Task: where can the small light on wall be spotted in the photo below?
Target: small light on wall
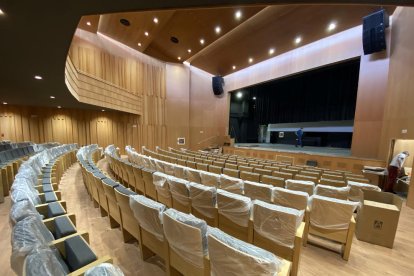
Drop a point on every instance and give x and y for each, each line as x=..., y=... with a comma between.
x=189, y=50
x=202, y=41
x=271, y=51
x=331, y=26
x=155, y=20
x=239, y=95
x=298, y=40
x=103, y=110
x=59, y=106
x=234, y=67
x=238, y=14
x=217, y=30
x=134, y=125
x=179, y=58
x=254, y=98
x=88, y=23
x=146, y=34
x=4, y=102
x=250, y=60
x=139, y=44
x=52, y=97
x=37, y=77
x=1, y=12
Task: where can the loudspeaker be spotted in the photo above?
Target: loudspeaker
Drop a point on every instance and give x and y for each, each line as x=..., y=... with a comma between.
x=373, y=32
x=218, y=83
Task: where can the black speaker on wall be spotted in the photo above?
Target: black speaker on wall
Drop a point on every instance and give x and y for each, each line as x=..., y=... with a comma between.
x=373, y=32
x=218, y=83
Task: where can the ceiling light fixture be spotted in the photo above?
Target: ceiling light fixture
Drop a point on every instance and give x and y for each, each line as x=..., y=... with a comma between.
x=1, y=12
x=146, y=34
x=331, y=26
x=59, y=106
x=88, y=23
x=103, y=110
x=234, y=67
x=52, y=97
x=271, y=51
x=179, y=58
x=4, y=102
x=217, y=30
x=250, y=60
x=125, y=22
x=155, y=20
x=298, y=40
x=254, y=98
x=239, y=95
x=139, y=44
x=202, y=41
x=38, y=77
x=189, y=50
x=238, y=14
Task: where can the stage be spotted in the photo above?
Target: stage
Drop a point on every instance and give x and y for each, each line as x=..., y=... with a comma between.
x=325, y=151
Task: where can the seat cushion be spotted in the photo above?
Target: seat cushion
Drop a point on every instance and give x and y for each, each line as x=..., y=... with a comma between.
x=50, y=197
x=55, y=209
x=78, y=253
x=46, y=180
x=47, y=188
x=110, y=182
x=63, y=227
x=124, y=190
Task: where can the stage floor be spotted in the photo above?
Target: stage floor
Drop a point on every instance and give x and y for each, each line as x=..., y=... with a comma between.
x=291, y=148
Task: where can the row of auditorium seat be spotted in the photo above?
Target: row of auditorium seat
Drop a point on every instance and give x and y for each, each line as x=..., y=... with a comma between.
x=178, y=204
x=45, y=240
x=179, y=238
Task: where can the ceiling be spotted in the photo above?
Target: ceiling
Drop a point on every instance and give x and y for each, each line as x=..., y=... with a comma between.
x=250, y=36
x=36, y=36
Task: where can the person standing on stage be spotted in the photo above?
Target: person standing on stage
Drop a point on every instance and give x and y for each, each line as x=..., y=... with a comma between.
x=394, y=169
x=299, y=134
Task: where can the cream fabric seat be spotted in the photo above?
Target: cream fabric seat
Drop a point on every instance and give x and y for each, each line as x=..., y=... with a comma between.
x=187, y=242
x=334, y=192
x=231, y=184
x=180, y=194
x=160, y=181
x=210, y=179
x=256, y=190
x=356, y=187
x=231, y=257
x=180, y=172
x=301, y=185
x=234, y=214
x=193, y=175
x=203, y=203
x=289, y=198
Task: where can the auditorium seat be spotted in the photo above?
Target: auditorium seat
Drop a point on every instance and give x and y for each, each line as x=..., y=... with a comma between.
x=262, y=171
x=355, y=189
x=259, y=191
x=215, y=169
x=160, y=181
x=203, y=203
x=231, y=172
x=279, y=230
x=210, y=179
x=304, y=177
x=202, y=167
x=150, y=190
x=129, y=226
x=332, y=182
x=149, y=215
x=334, y=192
x=113, y=210
x=139, y=180
x=180, y=194
x=289, y=198
x=230, y=256
x=332, y=176
x=234, y=214
x=186, y=237
x=272, y=168
x=332, y=219
x=273, y=180
x=301, y=185
x=250, y=176
x=284, y=175
x=231, y=184
x=192, y=164
x=193, y=175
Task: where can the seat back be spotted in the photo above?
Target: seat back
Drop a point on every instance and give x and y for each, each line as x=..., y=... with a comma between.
x=332, y=182
x=301, y=185
x=162, y=187
x=180, y=194
x=356, y=187
x=256, y=190
x=193, y=175
x=180, y=172
x=273, y=180
x=203, y=202
x=250, y=176
x=231, y=184
x=334, y=192
x=289, y=198
x=210, y=179
x=231, y=172
x=150, y=190
x=139, y=180
x=215, y=169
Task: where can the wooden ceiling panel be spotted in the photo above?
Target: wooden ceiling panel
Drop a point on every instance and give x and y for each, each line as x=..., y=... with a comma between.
x=89, y=23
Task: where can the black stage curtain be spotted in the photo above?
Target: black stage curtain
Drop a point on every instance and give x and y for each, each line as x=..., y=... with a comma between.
x=323, y=94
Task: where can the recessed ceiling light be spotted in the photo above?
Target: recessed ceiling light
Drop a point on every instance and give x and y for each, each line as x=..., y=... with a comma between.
x=103, y=110
x=331, y=26
x=88, y=23
x=254, y=98
x=38, y=77
x=202, y=41
x=139, y=44
x=52, y=97
x=238, y=14
x=250, y=60
x=234, y=67
x=271, y=51
x=179, y=58
x=155, y=20
x=125, y=22
x=189, y=50
x=217, y=30
x=4, y=103
x=298, y=40
x=239, y=95
x=146, y=34
x=1, y=12
x=59, y=106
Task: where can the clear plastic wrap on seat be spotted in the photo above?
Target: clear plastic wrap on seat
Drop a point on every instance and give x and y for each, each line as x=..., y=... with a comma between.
x=27, y=172
x=193, y=175
x=203, y=199
x=169, y=168
x=148, y=213
x=330, y=213
x=104, y=269
x=210, y=179
x=231, y=184
x=276, y=223
x=21, y=210
x=161, y=185
x=179, y=190
x=186, y=235
x=289, y=198
x=45, y=261
x=356, y=187
x=256, y=190
x=23, y=190
x=180, y=172
x=230, y=256
x=27, y=234
x=331, y=191
x=301, y=185
x=234, y=207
